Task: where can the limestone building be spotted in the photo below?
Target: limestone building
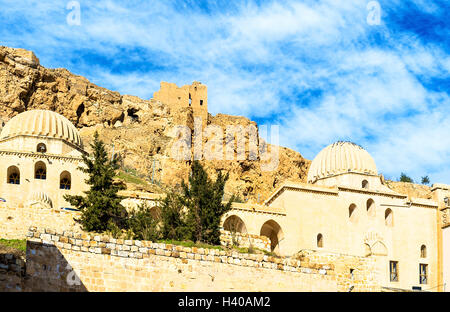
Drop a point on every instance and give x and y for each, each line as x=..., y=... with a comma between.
x=345, y=208
x=40, y=152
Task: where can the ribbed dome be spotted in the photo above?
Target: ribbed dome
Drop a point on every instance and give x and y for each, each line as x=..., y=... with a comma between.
x=341, y=157
x=41, y=123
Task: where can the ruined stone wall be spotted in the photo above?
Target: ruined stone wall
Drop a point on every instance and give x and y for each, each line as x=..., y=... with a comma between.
x=15, y=221
x=228, y=238
x=82, y=262
x=194, y=95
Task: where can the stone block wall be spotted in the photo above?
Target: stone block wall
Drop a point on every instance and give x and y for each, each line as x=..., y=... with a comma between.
x=15, y=221
x=353, y=273
x=228, y=238
x=81, y=262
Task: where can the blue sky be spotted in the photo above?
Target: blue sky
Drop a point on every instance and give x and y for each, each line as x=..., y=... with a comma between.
x=316, y=68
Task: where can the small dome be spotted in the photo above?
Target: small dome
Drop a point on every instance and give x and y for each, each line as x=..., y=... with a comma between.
x=341, y=157
x=41, y=123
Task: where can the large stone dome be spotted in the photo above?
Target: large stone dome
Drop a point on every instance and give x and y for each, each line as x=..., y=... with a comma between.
x=41, y=123
x=341, y=157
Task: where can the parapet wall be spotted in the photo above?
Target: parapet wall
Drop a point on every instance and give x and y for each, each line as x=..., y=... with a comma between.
x=15, y=223
x=83, y=262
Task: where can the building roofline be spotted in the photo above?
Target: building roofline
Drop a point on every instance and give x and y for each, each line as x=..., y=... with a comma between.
x=333, y=191
x=258, y=208
x=423, y=202
x=368, y=191
x=437, y=186
x=140, y=195
x=301, y=186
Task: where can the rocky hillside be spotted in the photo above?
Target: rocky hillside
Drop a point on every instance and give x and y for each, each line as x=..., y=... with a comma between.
x=411, y=189
x=141, y=131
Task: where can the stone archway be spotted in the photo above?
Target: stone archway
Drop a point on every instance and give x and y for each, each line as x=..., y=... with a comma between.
x=155, y=212
x=234, y=224
x=273, y=231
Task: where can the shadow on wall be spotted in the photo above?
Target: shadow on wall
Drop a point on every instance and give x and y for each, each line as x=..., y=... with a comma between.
x=48, y=270
x=12, y=271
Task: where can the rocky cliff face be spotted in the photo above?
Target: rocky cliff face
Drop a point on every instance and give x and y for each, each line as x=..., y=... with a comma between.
x=412, y=190
x=143, y=132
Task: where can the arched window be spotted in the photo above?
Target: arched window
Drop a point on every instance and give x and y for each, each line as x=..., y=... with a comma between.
x=40, y=171
x=41, y=148
x=319, y=240
x=352, y=213
x=65, y=181
x=365, y=184
x=389, y=217
x=371, y=207
x=13, y=175
x=423, y=251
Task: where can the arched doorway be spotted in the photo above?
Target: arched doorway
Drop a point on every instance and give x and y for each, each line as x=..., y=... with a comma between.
x=155, y=212
x=234, y=224
x=273, y=231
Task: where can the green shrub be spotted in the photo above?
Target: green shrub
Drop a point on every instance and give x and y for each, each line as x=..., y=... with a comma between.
x=143, y=225
x=20, y=244
x=405, y=178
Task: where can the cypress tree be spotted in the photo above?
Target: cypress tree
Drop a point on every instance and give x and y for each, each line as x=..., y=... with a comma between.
x=173, y=217
x=100, y=208
x=203, y=199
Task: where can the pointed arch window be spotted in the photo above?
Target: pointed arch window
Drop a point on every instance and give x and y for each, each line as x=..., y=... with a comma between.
x=389, y=217
x=41, y=148
x=319, y=240
x=40, y=171
x=65, y=181
x=13, y=174
x=423, y=251
x=352, y=213
x=371, y=207
x=365, y=184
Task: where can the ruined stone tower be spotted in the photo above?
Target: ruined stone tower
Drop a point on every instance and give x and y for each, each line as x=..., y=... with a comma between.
x=194, y=95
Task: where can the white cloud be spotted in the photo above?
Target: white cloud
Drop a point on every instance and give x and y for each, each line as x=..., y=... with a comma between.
x=258, y=60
